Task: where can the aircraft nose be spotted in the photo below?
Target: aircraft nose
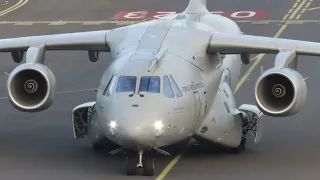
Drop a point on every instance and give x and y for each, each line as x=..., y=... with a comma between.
x=138, y=128
x=139, y=135
x=131, y=130
x=138, y=132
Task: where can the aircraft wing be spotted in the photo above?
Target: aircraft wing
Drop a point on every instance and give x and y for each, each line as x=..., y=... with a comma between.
x=91, y=40
x=237, y=43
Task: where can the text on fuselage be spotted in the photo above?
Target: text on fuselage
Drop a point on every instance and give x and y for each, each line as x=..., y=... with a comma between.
x=193, y=87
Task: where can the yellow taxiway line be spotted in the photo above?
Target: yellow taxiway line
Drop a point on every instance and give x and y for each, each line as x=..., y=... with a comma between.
x=256, y=60
x=97, y=23
x=297, y=21
x=14, y=7
x=296, y=7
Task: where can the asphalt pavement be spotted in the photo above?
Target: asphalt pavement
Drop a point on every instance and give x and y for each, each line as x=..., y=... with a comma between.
x=41, y=145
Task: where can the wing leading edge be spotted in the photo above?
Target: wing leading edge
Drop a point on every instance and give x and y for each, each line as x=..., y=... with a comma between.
x=91, y=40
x=236, y=44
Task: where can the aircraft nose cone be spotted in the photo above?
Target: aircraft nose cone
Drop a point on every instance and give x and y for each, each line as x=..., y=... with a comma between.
x=132, y=132
x=138, y=137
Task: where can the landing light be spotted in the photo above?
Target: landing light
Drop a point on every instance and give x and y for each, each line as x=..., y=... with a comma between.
x=113, y=124
x=158, y=125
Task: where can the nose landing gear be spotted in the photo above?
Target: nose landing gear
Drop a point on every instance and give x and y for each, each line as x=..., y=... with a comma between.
x=144, y=161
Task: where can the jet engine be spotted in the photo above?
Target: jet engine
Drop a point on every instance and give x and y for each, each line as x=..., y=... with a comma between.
x=31, y=87
x=280, y=92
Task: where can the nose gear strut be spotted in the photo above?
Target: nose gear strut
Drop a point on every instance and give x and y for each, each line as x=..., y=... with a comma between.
x=142, y=160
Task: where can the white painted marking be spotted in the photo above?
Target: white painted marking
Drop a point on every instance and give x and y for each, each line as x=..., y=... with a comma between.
x=162, y=14
x=136, y=15
x=243, y=14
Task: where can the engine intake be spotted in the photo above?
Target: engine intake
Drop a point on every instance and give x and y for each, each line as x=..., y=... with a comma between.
x=31, y=87
x=280, y=92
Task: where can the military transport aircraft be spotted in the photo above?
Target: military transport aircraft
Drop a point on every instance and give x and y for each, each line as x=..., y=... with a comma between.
x=170, y=79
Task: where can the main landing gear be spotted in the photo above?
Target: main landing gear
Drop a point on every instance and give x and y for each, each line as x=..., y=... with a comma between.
x=144, y=161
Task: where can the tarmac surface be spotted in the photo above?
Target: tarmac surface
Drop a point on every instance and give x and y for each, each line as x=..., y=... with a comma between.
x=41, y=145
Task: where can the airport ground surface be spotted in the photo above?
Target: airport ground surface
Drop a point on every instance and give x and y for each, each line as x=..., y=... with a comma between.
x=41, y=145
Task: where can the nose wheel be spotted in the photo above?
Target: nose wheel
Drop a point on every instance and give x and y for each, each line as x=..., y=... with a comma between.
x=148, y=165
x=131, y=164
x=134, y=162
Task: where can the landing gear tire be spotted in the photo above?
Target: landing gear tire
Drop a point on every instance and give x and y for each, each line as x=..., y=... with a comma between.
x=241, y=148
x=148, y=165
x=131, y=165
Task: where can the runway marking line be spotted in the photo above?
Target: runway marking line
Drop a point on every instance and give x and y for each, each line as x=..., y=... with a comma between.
x=304, y=9
x=297, y=9
x=290, y=11
x=257, y=60
x=314, y=8
x=14, y=7
x=95, y=23
x=144, y=14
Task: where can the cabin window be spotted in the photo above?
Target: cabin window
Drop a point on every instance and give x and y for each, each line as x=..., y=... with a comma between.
x=167, y=88
x=150, y=84
x=176, y=87
x=127, y=84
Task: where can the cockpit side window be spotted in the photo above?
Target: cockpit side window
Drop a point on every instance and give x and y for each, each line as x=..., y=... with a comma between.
x=127, y=84
x=176, y=87
x=108, y=85
x=167, y=89
x=150, y=84
x=112, y=85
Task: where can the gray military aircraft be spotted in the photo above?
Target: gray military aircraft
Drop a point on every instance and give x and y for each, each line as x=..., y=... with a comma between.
x=170, y=79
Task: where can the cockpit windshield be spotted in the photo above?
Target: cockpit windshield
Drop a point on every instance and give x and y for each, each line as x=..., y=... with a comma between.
x=150, y=84
x=127, y=84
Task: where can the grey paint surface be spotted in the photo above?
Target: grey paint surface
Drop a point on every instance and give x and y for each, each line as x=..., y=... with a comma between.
x=42, y=141
x=289, y=146
x=7, y=4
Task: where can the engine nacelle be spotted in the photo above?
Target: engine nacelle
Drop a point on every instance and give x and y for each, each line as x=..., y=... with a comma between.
x=280, y=92
x=31, y=87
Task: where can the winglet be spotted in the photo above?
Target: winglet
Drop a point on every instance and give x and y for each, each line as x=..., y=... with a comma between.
x=197, y=6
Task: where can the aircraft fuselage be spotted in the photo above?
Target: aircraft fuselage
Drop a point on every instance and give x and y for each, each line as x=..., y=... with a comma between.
x=137, y=115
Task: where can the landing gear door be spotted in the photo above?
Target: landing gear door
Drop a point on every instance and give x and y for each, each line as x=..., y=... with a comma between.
x=259, y=130
x=255, y=123
x=80, y=119
x=197, y=104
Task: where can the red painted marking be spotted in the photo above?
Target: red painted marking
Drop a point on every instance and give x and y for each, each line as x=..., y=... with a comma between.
x=140, y=15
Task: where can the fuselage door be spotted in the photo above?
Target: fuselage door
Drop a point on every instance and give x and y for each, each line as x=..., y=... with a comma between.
x=197, y=106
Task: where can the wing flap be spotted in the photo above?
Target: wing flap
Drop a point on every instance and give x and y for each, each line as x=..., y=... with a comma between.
x=92, y=40
x=237, y=43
